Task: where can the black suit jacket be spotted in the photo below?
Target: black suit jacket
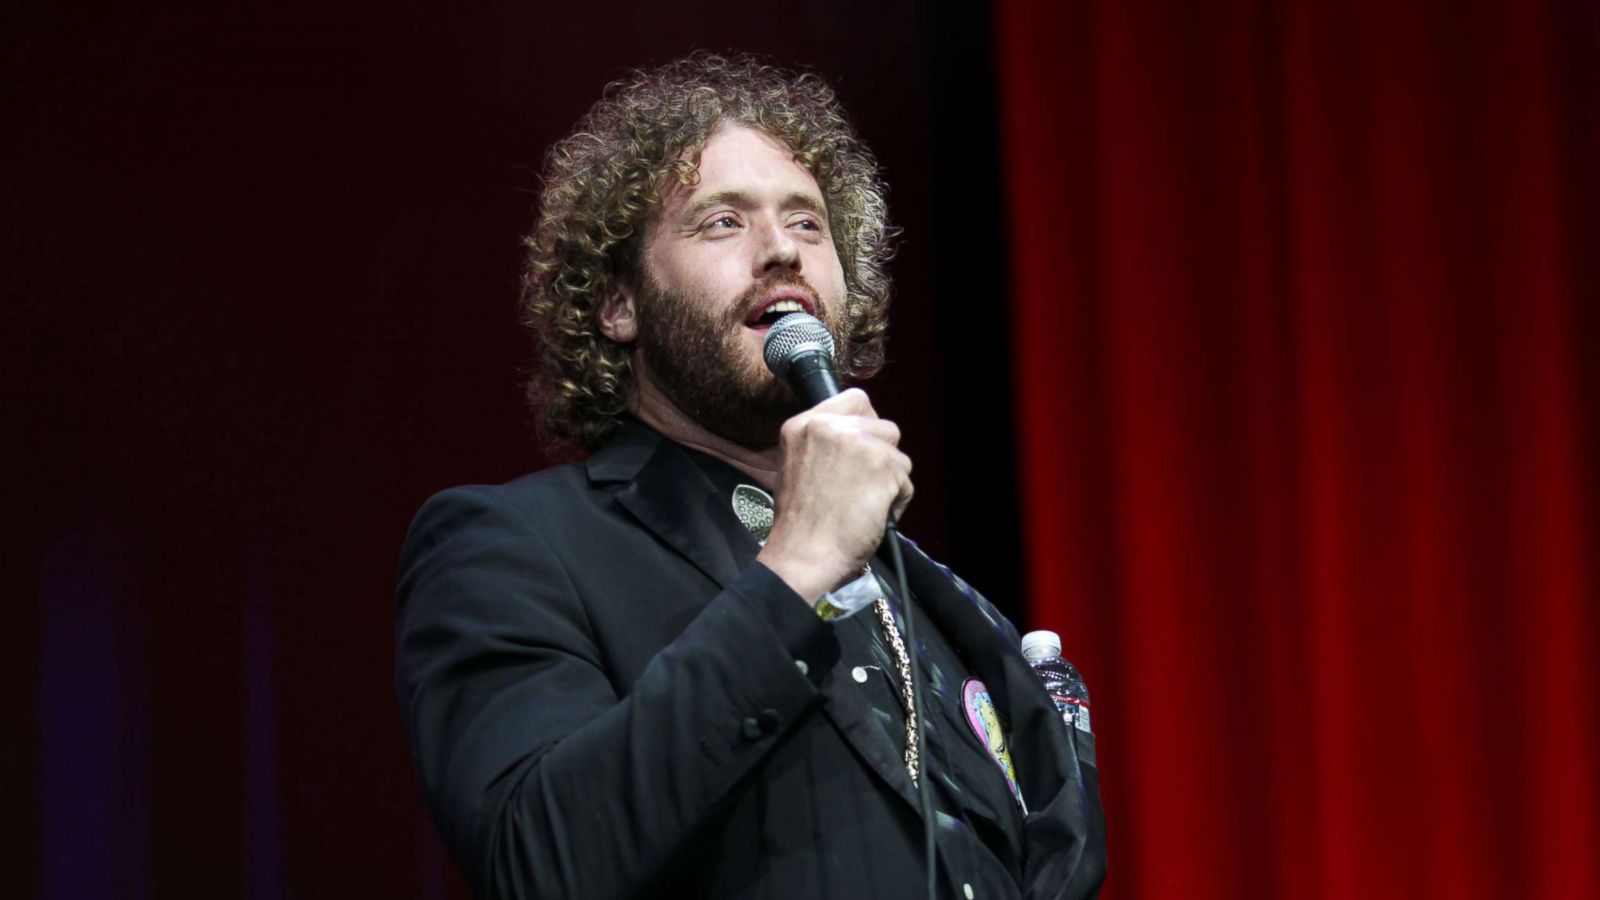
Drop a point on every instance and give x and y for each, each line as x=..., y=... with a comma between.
x=606, y=697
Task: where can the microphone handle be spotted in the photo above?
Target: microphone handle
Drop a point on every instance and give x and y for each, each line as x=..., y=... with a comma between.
x=811, y=376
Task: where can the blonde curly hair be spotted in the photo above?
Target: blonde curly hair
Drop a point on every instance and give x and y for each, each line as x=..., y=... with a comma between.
x=604, y=182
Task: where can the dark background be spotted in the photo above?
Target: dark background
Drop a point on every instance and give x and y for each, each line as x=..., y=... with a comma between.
x=259, y=301
x=1295, y=303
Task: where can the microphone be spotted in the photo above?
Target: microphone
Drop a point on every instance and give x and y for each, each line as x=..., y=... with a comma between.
x=799, y=350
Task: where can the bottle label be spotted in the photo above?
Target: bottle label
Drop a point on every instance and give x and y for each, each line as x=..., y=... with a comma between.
x=1074, y=711
x=1080, y=716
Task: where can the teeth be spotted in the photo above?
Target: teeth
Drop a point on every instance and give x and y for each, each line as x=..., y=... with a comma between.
x=786, y=306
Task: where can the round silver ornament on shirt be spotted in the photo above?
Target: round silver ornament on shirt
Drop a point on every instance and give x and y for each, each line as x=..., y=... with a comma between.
x=753, y=506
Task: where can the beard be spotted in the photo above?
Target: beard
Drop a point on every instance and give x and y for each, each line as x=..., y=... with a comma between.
x=699, y=361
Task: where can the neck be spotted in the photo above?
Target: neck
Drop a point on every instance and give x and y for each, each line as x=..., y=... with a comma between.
x=659, y=412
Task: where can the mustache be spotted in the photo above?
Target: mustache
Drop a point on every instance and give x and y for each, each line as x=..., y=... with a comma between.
x=752, y=295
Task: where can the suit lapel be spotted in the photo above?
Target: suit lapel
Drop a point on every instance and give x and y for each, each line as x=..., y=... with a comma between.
x=977, y=639
x=986, y=647
x=671, y=497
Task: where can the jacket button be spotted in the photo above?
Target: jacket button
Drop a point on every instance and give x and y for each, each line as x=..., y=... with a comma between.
x=770, y=720
x=751, y=729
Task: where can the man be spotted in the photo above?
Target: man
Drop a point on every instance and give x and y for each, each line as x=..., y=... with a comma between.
x=614, y=674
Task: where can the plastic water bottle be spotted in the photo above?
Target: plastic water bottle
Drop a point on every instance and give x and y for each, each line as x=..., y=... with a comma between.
x=1042, y=650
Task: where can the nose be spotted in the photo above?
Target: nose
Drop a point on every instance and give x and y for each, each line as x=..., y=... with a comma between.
x=778, y=251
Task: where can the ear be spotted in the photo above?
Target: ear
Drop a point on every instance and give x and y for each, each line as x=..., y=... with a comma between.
x=618, y=317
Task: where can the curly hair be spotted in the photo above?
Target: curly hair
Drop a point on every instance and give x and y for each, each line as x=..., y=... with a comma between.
x=604, y=182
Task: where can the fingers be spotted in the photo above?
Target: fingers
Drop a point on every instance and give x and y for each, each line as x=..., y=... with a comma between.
x=852, y=402
x=882, y=429
x=799, y=430
x=851, y=443
x=841, y=413
x=850, y=429
x=905, y=490
x=903, y=500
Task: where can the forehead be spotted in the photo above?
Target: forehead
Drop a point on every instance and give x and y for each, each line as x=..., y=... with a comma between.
x=745, y=159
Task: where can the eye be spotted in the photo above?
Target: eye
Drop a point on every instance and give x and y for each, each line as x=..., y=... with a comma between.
x=723, y=222
x=806, y=224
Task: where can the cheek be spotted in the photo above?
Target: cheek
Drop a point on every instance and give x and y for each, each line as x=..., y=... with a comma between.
x=834, y=291
x=713, y=275
x=831, y=281
x=698, y=281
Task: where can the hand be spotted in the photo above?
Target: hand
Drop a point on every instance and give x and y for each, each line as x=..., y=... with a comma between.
x=842, y=474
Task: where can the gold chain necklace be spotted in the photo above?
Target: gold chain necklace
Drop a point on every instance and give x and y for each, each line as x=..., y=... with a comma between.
x=907, y=698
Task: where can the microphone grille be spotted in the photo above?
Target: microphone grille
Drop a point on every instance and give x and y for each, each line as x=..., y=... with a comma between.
x=792, y=335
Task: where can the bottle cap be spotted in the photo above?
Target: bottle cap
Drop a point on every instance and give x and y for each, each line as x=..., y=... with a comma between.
x=1037, y=645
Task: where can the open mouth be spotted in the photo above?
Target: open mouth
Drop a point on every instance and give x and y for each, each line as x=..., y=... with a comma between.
x=775, y=309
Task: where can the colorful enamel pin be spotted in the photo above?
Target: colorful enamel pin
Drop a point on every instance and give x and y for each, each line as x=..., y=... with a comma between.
x=985, y=722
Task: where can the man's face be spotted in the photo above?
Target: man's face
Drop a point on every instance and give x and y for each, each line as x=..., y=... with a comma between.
x=722, y=260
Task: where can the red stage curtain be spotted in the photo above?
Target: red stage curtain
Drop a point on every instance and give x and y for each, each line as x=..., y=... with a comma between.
x=1304, y=336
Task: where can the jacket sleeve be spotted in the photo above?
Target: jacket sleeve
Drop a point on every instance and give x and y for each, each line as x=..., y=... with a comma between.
x=544, y=781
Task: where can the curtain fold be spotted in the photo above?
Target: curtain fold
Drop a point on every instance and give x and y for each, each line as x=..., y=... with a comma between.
x=1304, y=300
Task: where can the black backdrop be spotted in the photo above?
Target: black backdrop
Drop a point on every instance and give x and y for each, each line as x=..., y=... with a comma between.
x=259, y=284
